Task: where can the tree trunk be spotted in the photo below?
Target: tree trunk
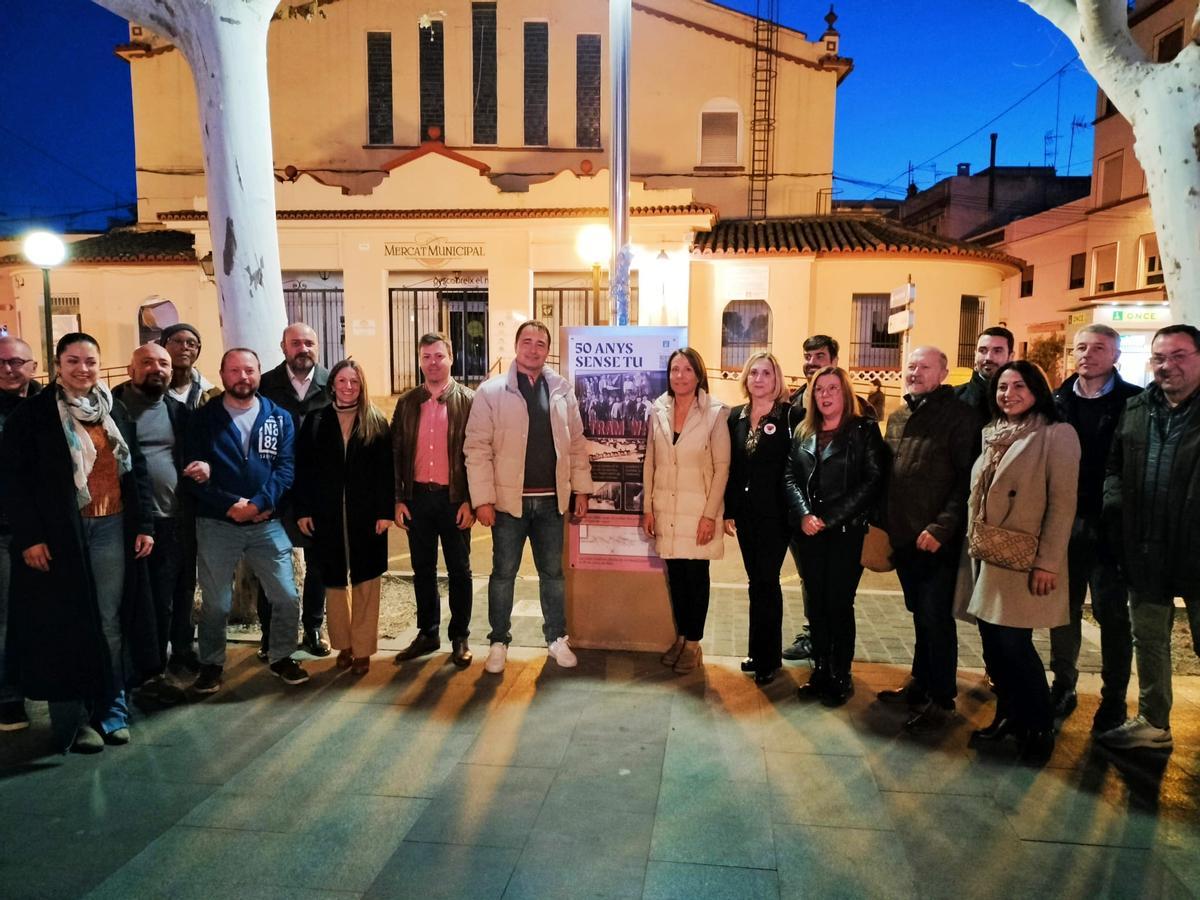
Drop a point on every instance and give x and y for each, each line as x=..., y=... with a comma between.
x=1161, y=102
x=225, y=44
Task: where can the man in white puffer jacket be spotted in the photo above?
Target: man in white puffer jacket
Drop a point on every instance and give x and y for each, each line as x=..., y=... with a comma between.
x=526, y=454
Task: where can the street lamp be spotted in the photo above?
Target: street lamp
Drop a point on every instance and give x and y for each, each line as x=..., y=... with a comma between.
x=594, y=246
x=46, y=250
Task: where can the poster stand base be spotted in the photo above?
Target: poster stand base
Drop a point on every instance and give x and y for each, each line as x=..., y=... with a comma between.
x=619, y=611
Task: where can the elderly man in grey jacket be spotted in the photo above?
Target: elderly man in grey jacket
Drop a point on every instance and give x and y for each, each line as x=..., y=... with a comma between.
x=526, y=454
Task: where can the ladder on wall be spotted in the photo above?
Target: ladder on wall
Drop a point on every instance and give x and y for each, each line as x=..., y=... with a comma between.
x=762, y=125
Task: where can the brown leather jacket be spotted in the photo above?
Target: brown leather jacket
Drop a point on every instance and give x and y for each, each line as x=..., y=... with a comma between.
x=405, y=421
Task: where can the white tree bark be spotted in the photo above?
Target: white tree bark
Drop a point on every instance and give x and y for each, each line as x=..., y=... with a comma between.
x=225, y=44
x=1161, y=101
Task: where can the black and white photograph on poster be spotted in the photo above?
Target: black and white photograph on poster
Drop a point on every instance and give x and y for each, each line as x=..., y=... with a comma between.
x=617, y=373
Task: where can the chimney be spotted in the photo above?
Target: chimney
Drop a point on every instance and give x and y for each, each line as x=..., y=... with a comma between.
x=992, y=174
x=964, y=168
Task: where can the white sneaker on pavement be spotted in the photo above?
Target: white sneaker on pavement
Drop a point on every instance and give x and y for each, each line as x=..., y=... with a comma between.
x=496, y=658
x=560, y=652
x=1137, y=733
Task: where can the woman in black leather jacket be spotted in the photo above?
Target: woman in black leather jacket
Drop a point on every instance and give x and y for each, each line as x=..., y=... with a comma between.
x=833, y=479
x=760, y=434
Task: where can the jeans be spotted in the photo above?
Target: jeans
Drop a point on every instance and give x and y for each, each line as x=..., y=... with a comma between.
x=764, y=543
x=688, y=587
x=313, y=598
x=1016, y=670
x=433, y=518
x=542, y=523
x=833, y=566
x=104, y=537
x=9, y=692
x=1152, y=619
x=268, y=553
x=1089, y=566
x=928, y=581
x=166, y=564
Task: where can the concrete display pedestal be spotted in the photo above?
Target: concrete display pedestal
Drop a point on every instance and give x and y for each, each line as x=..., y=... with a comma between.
x=618, y=610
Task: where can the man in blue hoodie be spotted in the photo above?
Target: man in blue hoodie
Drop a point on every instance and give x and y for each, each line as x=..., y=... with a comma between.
x=241, y=467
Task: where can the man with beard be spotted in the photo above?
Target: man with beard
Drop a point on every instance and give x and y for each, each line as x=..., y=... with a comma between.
x=241, y=466
x=161, y=424
x=17, y=366
x=187, y=385
x=299, y=385
x=993, y=348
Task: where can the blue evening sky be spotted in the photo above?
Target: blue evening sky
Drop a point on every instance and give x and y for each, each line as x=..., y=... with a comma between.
x=926, y=75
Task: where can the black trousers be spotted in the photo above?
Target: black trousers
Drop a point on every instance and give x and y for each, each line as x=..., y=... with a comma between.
x=1017, y=673
x=688, y=585
x=172, y=569
x=433, y=519
x=928, y=581
x=832, y=563
x=764, y=543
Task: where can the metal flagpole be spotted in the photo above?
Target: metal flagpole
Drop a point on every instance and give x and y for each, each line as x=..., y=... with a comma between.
x=620, y=15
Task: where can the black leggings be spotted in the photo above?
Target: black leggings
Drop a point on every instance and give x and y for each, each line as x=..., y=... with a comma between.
x=687, y=583
x=832, y=566
x=1018, y=674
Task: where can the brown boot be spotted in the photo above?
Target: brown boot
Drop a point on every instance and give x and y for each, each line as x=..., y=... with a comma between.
x=690, y=657
x=672, y=655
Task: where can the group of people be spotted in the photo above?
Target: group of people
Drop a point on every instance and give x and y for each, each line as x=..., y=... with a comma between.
x=1003, y=502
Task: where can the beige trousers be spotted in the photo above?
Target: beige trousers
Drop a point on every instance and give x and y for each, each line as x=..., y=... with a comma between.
x=352, y=615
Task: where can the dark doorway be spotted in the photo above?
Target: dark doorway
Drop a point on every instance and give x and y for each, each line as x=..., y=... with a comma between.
x=460, y=315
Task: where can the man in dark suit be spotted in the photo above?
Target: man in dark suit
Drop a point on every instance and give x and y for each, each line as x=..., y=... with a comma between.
x=300, y=385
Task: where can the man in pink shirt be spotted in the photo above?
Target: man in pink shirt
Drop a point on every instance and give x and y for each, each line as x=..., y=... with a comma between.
x=432, y=500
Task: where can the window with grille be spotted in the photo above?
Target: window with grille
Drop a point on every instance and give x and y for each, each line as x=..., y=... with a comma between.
x=379, y=87
x=745, y=329
x=970, y=323
x=587, y=90
x=719, y=138
x=431, y=50
x=872, y=347
x=537, y=74
x=483, y=72
x=1078, y=265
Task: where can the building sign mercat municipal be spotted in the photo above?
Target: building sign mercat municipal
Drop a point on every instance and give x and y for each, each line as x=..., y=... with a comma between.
x=433, y=251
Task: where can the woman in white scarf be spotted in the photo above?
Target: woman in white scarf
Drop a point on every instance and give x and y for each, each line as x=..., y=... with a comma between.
x=1023, y=491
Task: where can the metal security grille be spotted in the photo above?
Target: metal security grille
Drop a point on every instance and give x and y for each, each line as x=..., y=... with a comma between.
x=322, y=310
x=970, y=323
x=561, y=307
x=873, y=347
x=745, y=329
x=460, y=315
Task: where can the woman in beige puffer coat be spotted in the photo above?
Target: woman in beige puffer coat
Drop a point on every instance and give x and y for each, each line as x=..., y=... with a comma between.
x=684, y=475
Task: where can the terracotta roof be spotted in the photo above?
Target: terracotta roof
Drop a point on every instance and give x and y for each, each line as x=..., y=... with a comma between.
x=123, y=245
x=832, y=235
x=566, y=212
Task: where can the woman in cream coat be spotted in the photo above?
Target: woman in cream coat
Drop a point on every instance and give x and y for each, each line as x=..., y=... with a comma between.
x=684, y=475
x=1026, y=480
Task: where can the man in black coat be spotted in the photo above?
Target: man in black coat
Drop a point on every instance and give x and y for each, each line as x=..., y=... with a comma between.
x=300, y=385
x=17, y=367
x=1092, y=401
x=162, y=424
x=1152, y=514
x=993, y=348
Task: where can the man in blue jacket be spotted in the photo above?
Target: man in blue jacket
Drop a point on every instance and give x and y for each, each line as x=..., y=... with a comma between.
x=241, y=467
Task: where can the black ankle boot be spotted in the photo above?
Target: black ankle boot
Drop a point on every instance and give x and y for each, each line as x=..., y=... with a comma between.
x=1037, y=747
x=1002, y=726
x=817, y=683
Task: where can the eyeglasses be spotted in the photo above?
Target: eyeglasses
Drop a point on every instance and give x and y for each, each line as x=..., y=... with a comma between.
x=1157, y=361
x=13, y=363
x=188, y=343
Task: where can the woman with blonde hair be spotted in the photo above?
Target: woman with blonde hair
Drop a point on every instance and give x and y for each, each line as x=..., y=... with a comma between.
x=832, y=481
x=345, y=500
x=760, y=436
x=684, y=475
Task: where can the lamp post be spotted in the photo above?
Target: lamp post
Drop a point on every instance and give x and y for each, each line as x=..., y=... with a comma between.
x=594, y=244
x=46, y=250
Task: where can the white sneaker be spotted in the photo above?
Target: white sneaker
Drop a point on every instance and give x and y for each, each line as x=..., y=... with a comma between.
x=496, y=658
x=1137, y=733
x=560, y=652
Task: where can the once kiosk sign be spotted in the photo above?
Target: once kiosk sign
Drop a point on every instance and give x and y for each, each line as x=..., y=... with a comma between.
x=433, y=251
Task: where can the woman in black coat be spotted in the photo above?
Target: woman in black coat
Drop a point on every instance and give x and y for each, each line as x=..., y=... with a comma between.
x=344, y=500
x=760, y=434
x=79, y=500
x=833, y=480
